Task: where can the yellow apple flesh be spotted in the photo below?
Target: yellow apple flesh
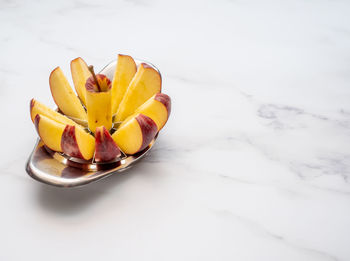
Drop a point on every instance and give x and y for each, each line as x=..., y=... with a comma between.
x=64, y=96
x=77, y=143
x=144, y=85
x=80, y=74
x=49, y=131
x=158, y=108
x=71, y=140
x=135, y=134
x=124, y=72
x=37, y=107
x=98, y=102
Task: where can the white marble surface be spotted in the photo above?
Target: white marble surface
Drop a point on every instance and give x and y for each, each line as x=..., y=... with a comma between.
x=254, y=163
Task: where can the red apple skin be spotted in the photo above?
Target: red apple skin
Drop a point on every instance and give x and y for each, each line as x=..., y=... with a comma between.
x=105, y=147
x=31, y=105
x=165, y=99
x=145, y=65
x=103, y=81
x=36, y=123
x=149, y=129
x=69, y=142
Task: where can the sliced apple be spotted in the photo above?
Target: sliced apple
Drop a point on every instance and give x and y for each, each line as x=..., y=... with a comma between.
x=50, y=131
x=77, y=143
x=106, y=149
x=80, y=73
x=64, y=96
x=158, y=108
x=98, y=102
x=146, y=82
x=135, y=134
x=124, y=72
x=37, y=107
x=71, y=140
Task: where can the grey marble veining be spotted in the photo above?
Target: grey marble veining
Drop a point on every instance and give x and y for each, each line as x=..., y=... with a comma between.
x=254, y=163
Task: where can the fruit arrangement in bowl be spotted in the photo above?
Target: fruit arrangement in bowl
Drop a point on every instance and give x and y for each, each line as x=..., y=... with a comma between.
x=108, y=118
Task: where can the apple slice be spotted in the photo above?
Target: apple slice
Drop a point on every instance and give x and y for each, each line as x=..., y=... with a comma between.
x=77, y=143
x=135, y=134
x=71, y=140
x=124, y=72
x=49, y=131
x=37, y=107
x=158, y=108
x=80, y=73
x=64, y=96
x=98, y=102
x=144, y=85
x=106, y=148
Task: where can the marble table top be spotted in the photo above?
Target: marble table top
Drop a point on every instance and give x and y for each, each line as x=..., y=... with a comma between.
x=254, y=163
